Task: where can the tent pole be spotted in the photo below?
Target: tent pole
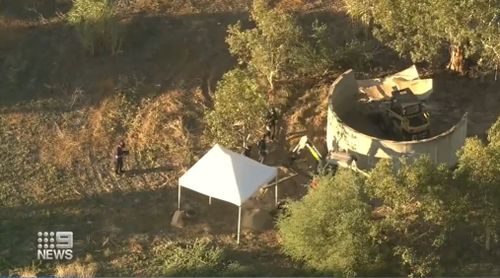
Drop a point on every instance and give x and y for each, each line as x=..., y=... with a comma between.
x=276, y=191
x=179, y=198
x=209, y=200
x=239, y=225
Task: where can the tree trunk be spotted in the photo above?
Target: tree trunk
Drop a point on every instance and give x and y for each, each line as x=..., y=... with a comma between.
x=456, y=63
x=369, y=28
x=488, y=241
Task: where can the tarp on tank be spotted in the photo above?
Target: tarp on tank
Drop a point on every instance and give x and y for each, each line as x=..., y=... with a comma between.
x=382, y=88
x=368, y=149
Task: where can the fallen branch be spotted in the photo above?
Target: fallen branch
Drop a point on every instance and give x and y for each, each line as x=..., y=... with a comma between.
x=279, y=181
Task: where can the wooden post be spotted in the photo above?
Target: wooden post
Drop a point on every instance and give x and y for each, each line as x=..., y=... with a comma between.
x=239, y=225
x=276, y=191
x=179, y=198
x=209, y=200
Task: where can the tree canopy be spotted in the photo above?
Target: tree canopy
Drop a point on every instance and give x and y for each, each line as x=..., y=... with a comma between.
x=330, y=229
x=277, y=48
x=479, y=176
x=239, y=107
x=416, y=212
x=405, y=219
x=423, y=29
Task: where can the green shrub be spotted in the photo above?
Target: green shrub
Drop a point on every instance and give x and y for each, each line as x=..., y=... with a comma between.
x=330, y=229
x=479, y=174
x=239, y=107
x=97, y=25
x=198, y=258
x=335, y=230
x=356, y=54
x=418, y=212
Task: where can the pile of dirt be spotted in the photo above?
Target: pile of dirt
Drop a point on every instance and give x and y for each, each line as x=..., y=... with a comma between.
x=307, y=116
x=256, y=219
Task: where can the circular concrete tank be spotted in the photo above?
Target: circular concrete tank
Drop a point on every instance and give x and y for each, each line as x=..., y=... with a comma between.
x=367, y=145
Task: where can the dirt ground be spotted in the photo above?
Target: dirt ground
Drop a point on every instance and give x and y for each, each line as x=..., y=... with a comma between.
x=175, y=46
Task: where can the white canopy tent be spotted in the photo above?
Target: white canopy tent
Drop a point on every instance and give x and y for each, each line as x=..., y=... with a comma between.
x=227, y=176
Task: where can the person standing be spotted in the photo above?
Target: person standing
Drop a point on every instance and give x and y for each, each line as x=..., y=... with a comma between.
x=247, y=150
x=262, y=147
x=271, y=123
x=120, y=154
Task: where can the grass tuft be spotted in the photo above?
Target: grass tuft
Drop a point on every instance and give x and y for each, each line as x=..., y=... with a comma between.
x=76, y=269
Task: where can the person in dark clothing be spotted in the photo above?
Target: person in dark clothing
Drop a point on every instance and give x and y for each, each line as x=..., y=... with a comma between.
x=271, y=123
x=121, y=152
x=247, y=150
x=261, y=146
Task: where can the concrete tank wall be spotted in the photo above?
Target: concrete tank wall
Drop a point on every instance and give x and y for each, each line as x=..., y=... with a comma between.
x=342, y=97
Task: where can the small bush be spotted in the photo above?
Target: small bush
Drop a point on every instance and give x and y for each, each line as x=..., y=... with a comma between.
x=97, y=25
x=27, y=271
x=196, y=258
x=356, y=54
x=76, y=269
x=330, y=228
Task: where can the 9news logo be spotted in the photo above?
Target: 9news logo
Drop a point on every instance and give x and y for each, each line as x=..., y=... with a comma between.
x=55, y=245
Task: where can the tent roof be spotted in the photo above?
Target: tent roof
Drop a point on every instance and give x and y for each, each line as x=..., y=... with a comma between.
x=227, y=176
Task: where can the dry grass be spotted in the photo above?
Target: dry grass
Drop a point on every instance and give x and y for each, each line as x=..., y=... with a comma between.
x=309, y=5
x=291, y=5
x=108, y=121
x=62, y=147
x=76, y=269
x=27, y=272
x=73, y=148
x=96, y=127
x=183, y=7
x=158, y=118
x=168, y=121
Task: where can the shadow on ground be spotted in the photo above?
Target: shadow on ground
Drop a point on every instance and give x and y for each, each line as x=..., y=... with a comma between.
x=32, y=10
x=162, y=52
x=114, y=220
